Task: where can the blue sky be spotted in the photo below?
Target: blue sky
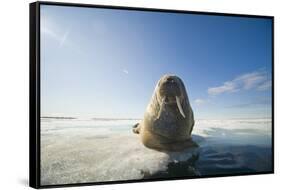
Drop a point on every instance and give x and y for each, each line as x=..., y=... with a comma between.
x=106, y=63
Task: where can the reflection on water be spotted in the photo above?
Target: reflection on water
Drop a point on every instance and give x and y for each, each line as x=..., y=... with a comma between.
x=76, y=151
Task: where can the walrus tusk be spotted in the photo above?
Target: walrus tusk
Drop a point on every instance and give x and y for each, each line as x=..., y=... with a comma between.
x=179, y=106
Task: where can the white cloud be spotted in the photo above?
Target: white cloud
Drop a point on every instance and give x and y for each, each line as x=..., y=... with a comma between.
x=64, y=38
x=255, y=80
x=59, y=38
x=264, y=86
x=199, y=101
x=125, y=71
x=47, y=31
x=228, y=86
x=251, y=80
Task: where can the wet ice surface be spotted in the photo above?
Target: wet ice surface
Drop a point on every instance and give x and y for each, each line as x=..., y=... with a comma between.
x=86, y=150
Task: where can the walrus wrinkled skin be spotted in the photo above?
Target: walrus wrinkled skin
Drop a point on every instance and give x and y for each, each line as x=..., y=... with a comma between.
x=168, y=120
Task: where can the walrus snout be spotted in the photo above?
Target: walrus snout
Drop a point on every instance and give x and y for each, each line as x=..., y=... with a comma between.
x=170, y=79
x=169, y=90
x=169, y=86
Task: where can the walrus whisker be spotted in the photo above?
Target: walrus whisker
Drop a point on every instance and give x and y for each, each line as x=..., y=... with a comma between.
x=160, y=110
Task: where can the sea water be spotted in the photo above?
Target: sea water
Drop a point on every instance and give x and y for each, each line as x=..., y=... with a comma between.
x=94, y=150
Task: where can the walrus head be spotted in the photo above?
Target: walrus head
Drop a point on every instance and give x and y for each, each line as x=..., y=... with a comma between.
x=168, y=120
x=170, y=91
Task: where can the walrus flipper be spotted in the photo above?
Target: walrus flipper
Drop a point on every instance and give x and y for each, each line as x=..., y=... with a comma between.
x=136, y=128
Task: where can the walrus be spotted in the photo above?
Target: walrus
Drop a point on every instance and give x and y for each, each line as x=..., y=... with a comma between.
x=168, y=120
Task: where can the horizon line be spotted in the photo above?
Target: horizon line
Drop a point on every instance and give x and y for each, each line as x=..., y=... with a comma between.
x=131, y=118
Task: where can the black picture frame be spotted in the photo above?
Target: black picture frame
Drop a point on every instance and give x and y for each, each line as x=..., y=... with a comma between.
x=34, y=90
